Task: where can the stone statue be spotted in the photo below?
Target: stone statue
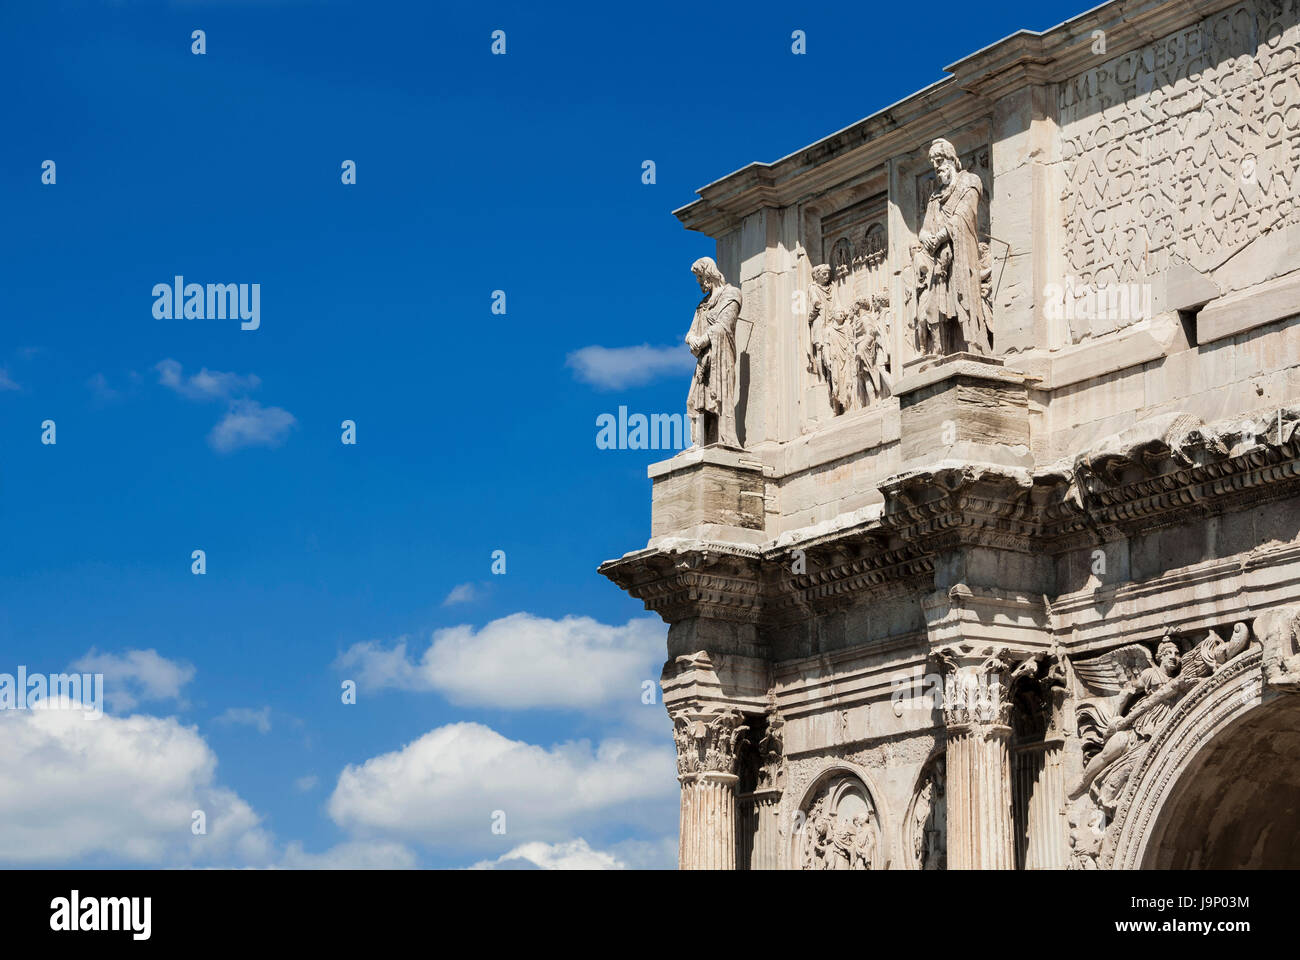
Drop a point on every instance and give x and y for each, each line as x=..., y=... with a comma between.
x=711, y=403
x=952, y=271
x=818, y=826
x=819, y=309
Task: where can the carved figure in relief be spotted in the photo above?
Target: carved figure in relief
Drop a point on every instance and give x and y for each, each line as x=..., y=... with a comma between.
x=771, y=749
x=1136, y=695
x=848, y=347
x=819, y=311
x=840, y=832
x=1279, y=633
x=839, y=354
x=819, y=844
x=872, y=350
x=952, y=271
x=1085, y=841
x=862, y=850
x=929, y=821
x=711, y=403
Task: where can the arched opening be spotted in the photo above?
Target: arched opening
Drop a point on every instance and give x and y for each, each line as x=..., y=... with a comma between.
x=1237, y=804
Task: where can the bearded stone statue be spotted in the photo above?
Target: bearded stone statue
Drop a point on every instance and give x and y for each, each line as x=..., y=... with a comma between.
x=952, y=270
x=711, y=403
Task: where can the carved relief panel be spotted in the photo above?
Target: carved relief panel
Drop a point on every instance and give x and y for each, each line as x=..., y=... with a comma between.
x=849, y=326
x=928, y=819
x=840, y=827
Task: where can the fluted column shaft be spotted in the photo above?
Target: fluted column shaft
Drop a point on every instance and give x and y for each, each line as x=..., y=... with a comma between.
x=980, y=834
x=709, y=822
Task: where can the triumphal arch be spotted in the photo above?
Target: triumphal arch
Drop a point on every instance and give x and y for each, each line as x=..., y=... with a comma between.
x=987, y=552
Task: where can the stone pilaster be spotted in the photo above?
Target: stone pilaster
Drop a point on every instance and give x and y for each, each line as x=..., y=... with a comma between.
x=706, y=768
x=976, y=712
x=760, y=830
x=1040, y=797
x=1039, y=769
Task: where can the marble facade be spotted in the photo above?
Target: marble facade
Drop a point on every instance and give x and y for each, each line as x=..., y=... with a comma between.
x=1000, y=568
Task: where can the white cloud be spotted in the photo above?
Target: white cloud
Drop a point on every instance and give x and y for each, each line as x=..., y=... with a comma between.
x=461, y=593
x=79, y=785
x=307, y=783
x=247, y=716
x=136, y=676
x=100, y=387
x=522, y=661
x=571, y=855
x=613, y=368
x=206, y=384
x=443, y=789
x=249, y=424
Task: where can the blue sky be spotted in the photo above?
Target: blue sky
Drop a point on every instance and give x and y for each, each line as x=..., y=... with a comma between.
x=476, y=431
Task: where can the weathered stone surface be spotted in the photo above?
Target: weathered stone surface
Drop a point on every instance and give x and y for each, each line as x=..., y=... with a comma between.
x=1036, y=608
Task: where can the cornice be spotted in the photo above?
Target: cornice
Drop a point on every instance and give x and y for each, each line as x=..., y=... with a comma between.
x=1170, y=472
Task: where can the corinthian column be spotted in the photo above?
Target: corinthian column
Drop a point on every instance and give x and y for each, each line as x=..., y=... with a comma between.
x=706, y=769
x=976, y=711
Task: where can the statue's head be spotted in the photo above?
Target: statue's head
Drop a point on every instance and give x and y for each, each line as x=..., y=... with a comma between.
x=1167, y=656
x=707, y=274
x=943, y=157
x=821, y=273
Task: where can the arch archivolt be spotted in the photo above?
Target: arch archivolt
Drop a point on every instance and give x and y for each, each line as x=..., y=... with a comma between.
x=1215, y=705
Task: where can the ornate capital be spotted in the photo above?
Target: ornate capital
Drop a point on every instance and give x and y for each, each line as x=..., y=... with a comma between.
x=976, y=685
x=707, y=742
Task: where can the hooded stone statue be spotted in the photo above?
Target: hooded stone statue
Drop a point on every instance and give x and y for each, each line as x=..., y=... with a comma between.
x=951, y=297
x=712, y=338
